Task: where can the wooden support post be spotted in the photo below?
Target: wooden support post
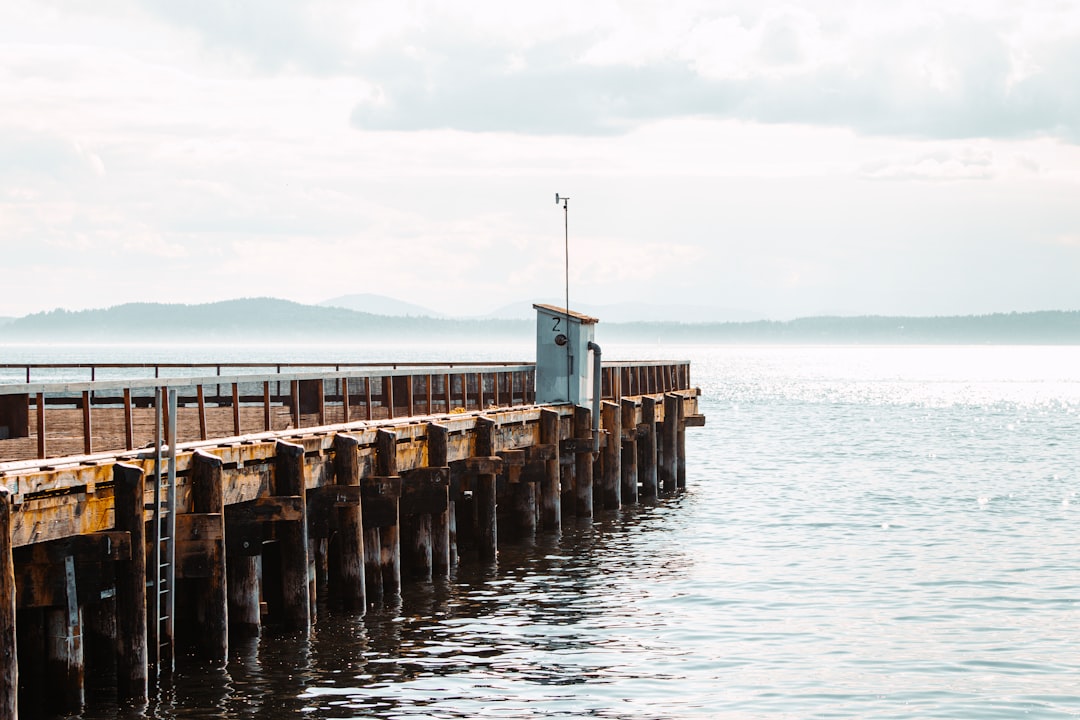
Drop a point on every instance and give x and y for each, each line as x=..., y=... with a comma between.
x=681, y=447
x=443, y=549
x=236, y=408
x=521, y=495
x=64, y=662
x=131, y=652
x=416, y=544
x=487, y=529
x=350, y=525
x=129, y=426
x=388, y=394
x=9, y=666
x=629, y=452
x=293, y=538
x=320, y=389
x=243, y=546
x=268, y=421
x=381, y=504
x=88, y=429
x=200, y=397
x=611, y=466
x=647, y=447
x=410, y=396
x=669, y=471
x=210, y=596
x=41, y=425
x=550, y=493
x=424, y=496
x=373, y=579
x=294, y=398
x=344, y=400
x=446, y=388
x=583, y=463
x=389, y=534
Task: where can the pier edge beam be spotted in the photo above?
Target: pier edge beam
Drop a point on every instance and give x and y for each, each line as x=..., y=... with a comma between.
x=442, y=552
x=9, y=665
x=669, y=471
x=211, y=597
x=611, y=456
x=131, y=632
x=293, y=538
x=629, y=452
x=647, y=447
x=583, y=464
x=351, y=527
x=550, y=493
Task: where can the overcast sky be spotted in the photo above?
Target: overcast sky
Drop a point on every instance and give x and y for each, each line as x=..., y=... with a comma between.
x=782, y=158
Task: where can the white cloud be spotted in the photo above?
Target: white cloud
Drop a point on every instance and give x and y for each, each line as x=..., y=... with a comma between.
x=729, y=152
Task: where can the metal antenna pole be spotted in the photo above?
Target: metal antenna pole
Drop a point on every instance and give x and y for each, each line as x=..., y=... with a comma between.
x=566, y=274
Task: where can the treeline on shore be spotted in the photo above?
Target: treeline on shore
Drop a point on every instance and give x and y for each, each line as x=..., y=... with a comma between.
x=271, y=319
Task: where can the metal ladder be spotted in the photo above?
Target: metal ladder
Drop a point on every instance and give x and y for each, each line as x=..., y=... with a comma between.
x=162, y=580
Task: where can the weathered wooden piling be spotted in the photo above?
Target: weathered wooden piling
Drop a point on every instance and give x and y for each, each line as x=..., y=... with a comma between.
x=515, y=501
x=425, y=500
x=390, y=533
x=681, y=446
x=647, y=447
x=550, y=491
x=443, y=547
x=201, y=562
x=243, y=549
x=131, y=632
x=380, y=509
x=9, y=665
x=611, y=457
x=64, y=661
x=669, y=471
x=484, y=488
x=292, y=537
x=583, y=462
x=350, y=525
x=629, y=446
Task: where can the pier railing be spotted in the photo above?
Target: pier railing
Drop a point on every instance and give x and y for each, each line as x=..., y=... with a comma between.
x=61, y=410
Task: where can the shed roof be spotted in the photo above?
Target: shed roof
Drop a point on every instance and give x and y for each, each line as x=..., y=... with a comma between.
x=554, y=310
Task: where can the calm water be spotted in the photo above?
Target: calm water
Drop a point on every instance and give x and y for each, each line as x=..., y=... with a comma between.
x=868, y=532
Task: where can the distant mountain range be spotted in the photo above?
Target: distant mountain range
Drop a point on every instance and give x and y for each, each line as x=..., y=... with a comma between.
x=523, y=310
x=270, y=319
x=632, y=312
x=380, y=305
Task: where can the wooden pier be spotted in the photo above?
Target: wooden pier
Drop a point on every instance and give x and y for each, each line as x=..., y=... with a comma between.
x=122, y=544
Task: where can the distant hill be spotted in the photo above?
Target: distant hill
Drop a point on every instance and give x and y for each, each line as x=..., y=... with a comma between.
x=270, y=319
x=632, y=312
x=380, y=305
x=1033, y=328
x=5, y=320
x=249, y=319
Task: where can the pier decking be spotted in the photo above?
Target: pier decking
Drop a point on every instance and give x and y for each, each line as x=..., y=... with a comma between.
x=122, y=541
